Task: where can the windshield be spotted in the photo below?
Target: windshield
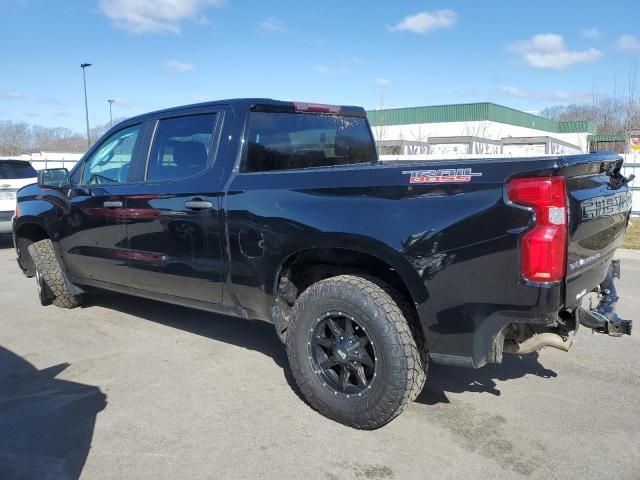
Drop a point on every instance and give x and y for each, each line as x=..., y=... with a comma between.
x=13, y=169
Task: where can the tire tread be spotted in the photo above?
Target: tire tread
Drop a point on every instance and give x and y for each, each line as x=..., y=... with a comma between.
x=45, y=260
x=399, y=315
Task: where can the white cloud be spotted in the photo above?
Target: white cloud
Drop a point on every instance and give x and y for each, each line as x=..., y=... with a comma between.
x=10, y=96
x=553, y=95
x=628, y=43
x=353, y=60
x=591, y=33
x=273, y=25
x=155, y=16
x=323, y=69
x=178, y=66
x=48, y=101
x=512, y=91
x=383, y=82
x=342, y=67
x=425, y=22
x=549, y=51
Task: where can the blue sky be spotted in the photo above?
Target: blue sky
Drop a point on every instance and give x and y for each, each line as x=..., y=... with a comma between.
x=150, y=54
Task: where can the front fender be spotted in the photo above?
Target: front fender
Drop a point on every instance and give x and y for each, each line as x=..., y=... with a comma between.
x=39, y=214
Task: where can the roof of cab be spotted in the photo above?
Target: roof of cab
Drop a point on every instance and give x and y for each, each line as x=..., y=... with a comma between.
x=239, y=102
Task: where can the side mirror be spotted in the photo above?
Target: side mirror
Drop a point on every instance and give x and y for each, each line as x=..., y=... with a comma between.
x=57, y=178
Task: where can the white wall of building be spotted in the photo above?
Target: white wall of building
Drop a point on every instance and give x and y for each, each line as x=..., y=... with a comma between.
x=484, y=129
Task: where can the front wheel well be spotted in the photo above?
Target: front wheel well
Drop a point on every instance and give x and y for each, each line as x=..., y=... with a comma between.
x=305, y=268
x=25, y=235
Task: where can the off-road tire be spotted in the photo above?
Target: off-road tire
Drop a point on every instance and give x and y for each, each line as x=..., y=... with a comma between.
x=400, y=364
x=48, y=266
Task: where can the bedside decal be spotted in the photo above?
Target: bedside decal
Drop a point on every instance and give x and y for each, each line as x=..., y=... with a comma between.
x=445, y=175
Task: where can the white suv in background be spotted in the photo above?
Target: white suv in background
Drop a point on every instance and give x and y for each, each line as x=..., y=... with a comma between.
x=14, y=174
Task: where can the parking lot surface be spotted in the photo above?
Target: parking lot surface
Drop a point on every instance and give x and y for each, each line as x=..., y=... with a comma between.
x=130, y=388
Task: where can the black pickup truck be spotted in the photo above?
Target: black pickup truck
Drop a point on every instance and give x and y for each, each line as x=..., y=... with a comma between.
x=281, y=211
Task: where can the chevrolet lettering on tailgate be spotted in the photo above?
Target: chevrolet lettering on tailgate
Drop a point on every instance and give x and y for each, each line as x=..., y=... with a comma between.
x=606, y=205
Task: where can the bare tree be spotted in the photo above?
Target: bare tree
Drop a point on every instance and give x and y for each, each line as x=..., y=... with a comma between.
x=19, y=138
x=380, y=132
x=616, y=114
x=481, y=129
x=14, y=137
x=419, y=134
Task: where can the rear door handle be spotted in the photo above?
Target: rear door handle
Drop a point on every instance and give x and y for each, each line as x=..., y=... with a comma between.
x=198, y=205
x=112, y=204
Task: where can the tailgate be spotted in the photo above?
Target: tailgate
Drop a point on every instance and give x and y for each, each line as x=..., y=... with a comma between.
x=599, y=207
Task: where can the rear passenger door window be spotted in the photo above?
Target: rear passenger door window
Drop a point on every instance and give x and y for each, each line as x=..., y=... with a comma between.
x=181, y=147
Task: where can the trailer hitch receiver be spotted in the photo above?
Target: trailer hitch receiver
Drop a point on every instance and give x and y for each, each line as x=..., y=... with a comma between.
x=603, y=319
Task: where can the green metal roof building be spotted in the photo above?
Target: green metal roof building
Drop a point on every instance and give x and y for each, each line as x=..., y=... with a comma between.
x=487, y=120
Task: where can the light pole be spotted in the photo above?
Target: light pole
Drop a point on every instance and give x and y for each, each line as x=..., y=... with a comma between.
x=86, y=106
x=111, y=100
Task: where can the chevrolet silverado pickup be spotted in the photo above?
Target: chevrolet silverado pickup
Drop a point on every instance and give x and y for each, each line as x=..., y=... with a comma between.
x=281, y=212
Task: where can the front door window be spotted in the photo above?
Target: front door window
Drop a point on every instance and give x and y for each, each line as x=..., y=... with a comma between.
x=111, y=161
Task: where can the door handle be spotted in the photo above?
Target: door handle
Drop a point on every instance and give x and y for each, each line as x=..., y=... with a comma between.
x=198, y=205
x=112, y=204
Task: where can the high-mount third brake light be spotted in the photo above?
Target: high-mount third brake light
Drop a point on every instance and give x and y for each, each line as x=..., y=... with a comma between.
x=544, y=247
x=315, y=108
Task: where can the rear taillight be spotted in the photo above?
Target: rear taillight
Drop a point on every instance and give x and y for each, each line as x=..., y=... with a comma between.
x=544, y=247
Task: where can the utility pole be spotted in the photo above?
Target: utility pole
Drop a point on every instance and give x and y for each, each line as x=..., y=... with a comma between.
x=86, y=105
x=111, y=100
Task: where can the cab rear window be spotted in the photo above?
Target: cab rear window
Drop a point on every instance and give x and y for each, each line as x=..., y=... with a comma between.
x=9, y=169
x=283, y=141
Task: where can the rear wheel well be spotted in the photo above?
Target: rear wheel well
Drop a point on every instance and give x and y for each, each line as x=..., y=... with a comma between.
x=307, y=267
x=25, y=236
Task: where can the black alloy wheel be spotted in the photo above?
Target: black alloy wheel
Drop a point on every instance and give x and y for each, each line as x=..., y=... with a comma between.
x=342, y=354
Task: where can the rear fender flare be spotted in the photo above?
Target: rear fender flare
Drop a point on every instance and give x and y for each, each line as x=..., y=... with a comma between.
x=368, y=246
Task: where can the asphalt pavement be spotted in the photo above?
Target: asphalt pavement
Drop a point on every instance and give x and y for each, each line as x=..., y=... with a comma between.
x=125, y=388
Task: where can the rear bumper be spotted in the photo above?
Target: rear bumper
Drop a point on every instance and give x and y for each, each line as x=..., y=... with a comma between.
x=488, y=339
x=5, y=222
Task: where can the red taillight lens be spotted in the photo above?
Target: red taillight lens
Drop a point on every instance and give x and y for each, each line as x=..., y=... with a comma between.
x=315, y=108
x=544, y=247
